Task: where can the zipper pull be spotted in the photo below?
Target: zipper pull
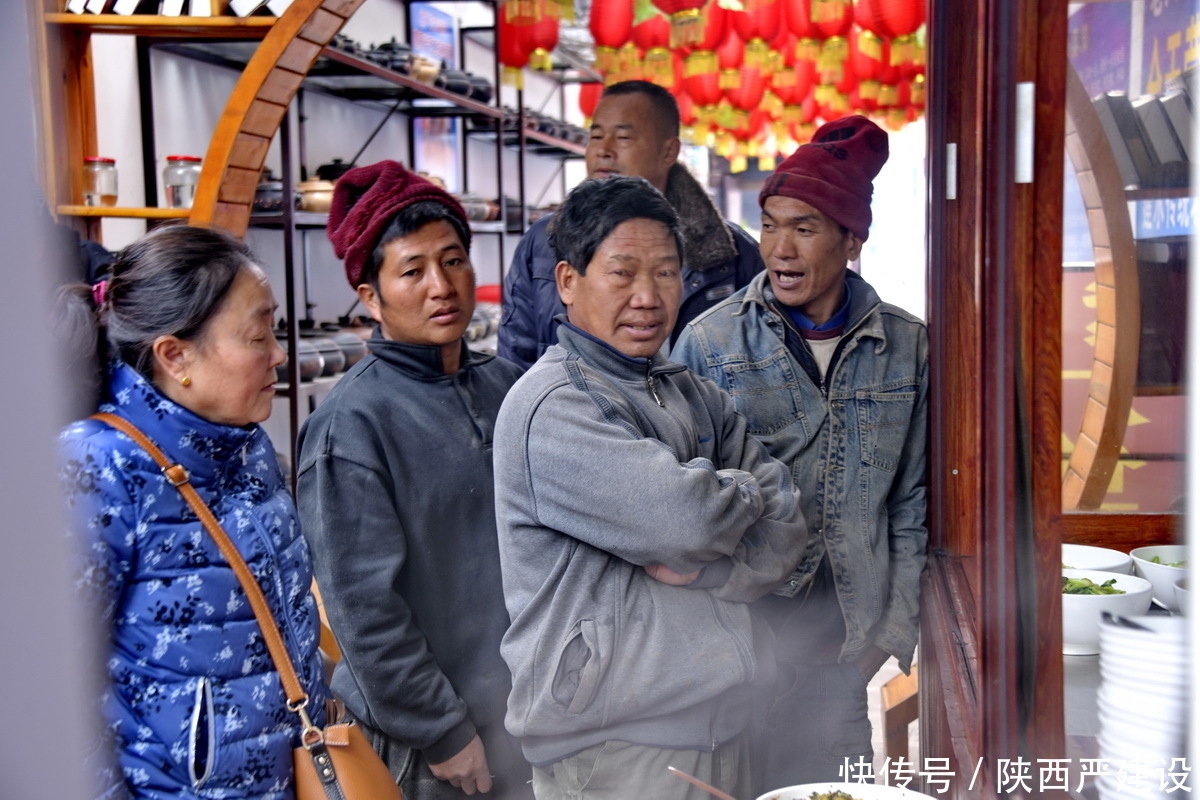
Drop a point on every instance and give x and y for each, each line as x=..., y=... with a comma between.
x=653, y=391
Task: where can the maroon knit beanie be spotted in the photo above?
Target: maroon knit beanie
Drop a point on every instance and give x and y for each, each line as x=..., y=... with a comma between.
x=833, y=172
x=365, y=200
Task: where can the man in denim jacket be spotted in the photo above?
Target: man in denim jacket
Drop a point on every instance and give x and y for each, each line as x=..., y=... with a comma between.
x=835, y=383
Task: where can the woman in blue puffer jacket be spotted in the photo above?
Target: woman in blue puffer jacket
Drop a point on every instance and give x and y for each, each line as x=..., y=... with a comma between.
x=193, y=705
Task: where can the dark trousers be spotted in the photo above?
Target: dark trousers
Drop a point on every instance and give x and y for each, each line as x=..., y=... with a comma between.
x=511, y=773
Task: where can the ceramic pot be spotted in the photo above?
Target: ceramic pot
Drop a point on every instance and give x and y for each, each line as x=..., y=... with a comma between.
x=453, y=80
x=394, y=55
x=333, y=170
x=333, y=359
x=475, y=206
x=481, y=88
x=315, y=195
x=353, y=346
x=311, y=362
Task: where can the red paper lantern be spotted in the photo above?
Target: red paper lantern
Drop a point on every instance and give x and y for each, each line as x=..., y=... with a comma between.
x=687, y=109
x=704, y=88
x=797, y=16
x=870, y=56
x=757, y=25
x=714, y=28
x=543, y=35
x=611, y=25
x=790, y=86
x=832, y=17
x=589, y=96
x=653, y=37
x=514, y=44
x=890, y=19
x=730, y=56
x=752, y=85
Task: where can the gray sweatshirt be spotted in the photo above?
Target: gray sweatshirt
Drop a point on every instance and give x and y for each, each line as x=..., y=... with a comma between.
x=606, y=464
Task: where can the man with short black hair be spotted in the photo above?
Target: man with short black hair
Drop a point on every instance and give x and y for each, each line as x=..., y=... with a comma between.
x=635, y=131
x=835, y=383
x=637, y=520
x=394, y=488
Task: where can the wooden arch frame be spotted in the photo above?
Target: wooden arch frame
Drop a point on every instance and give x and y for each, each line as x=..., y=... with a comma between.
x=256, y=108
x=1118, y=306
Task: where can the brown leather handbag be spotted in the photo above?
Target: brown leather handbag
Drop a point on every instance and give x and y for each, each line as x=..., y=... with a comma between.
x=335, y=762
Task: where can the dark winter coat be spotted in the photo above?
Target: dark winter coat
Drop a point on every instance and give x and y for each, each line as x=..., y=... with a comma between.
x=395, y=491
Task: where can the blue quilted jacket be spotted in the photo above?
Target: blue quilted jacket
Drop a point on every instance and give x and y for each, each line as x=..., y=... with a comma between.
x=193, y=706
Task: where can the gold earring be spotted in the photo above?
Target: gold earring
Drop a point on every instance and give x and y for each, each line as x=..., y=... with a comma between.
x=186, y=381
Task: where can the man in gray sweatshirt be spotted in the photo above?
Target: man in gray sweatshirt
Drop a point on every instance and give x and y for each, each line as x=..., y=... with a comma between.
x=637, y=519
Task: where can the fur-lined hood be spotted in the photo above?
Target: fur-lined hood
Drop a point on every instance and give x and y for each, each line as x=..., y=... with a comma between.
x=706, y=238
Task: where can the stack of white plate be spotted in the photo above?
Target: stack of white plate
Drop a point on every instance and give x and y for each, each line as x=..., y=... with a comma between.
x=1142, y=706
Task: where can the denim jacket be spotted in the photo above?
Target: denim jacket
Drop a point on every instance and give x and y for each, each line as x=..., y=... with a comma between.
x=855, y=443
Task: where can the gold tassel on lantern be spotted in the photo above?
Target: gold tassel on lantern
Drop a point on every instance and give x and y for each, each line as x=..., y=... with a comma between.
x=772, y=105
x=687, y=27
x=808, y=49
x=658, y=67
x=757, y=54
x=730, y=79
x=832, y=61
x=870, y=45
x=513, y=76
x=917, y=95
x=700, y=62
x=606, y=60
x=524, y=9
x=540, y=59
x=868, y=90
x=562, y=9
x=888, y=95
x=903, y=49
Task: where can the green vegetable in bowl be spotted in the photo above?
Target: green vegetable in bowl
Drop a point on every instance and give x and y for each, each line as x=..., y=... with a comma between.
x=1087, y=586
x=836, y=795
x=1157, y=560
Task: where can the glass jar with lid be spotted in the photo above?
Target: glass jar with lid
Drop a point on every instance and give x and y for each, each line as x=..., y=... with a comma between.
x=99, y=181
x=179, y=178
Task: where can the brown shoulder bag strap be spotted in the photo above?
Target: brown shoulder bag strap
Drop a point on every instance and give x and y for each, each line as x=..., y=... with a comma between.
x=178, y=477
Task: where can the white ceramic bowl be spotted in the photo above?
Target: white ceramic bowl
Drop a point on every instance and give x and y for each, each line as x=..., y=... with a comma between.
x=1183, y=596
x=1162, y=576
x=859, y=791
x=1081, y=612
x=1084, y=556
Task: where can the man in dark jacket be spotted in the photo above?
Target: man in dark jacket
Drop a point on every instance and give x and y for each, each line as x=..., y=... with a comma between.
x=395, y=495
x=635, y=131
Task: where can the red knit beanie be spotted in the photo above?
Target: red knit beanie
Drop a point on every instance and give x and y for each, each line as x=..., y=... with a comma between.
x=833, y=172
x=366, y=199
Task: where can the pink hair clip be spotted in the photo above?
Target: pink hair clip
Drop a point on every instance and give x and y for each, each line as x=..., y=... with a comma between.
x=99, y=292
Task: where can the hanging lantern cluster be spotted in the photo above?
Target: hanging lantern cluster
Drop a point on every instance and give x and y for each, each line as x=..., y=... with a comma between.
x=526, y=33
x=755, y=78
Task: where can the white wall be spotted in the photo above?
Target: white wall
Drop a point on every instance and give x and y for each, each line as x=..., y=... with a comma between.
x=893, y=257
